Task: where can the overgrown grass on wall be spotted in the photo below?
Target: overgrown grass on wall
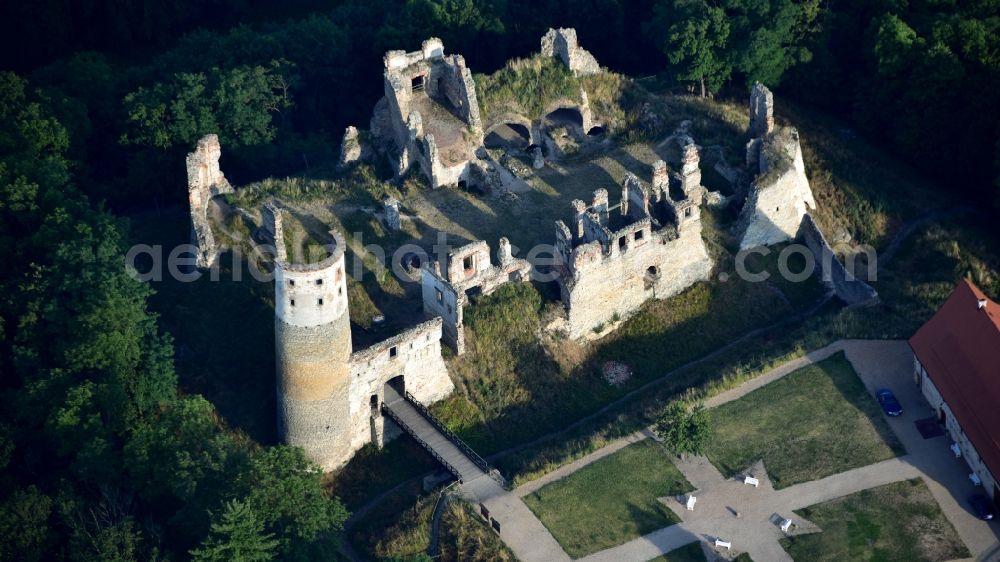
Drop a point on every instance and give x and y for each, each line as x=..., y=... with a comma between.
x=525, y=87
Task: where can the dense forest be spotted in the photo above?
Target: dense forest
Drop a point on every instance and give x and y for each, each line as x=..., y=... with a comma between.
x=101, y=458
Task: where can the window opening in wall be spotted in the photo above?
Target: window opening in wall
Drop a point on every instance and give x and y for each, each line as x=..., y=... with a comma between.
x=776, y=209
x=467, y=262
x=687, y=212
x=440, y=295
x=291, y=302
x=291, y=282
x=638, y=235
x=319, y=281
x=417, y=83
x=374, y=402
x=393, y=352
x=621, y=243
x=340, y=290
x=319, y=302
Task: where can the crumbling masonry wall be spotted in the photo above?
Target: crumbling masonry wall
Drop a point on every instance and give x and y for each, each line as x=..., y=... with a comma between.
x=779, y=196
x=205, y=181
x=409, y=78
x=616, y=258
x=848, y=288
x=562, y=43
x=414, y=355
x=467, y=271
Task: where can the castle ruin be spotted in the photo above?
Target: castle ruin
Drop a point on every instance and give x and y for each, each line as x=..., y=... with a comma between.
x=608, y=260
x=648, y=246
x=429, y=114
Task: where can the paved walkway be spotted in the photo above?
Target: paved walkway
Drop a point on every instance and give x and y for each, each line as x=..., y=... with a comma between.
x=519, y=528
x=756, y=530
x=417, y=425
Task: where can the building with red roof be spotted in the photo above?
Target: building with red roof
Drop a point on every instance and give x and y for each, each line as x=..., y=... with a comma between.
x=957, y=365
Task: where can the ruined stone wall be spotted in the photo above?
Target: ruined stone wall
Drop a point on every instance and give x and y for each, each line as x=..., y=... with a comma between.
x=468, y=270
x=779, y=197
x=451, y=80
x=443, y=300
x=761, y=111
x=474, y=254
x=416, y=356
x=617, y=283
x=562, y=43
x=205, y=181
x=833, y=274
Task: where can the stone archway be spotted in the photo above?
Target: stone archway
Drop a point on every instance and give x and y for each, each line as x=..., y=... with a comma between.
x=508, y=135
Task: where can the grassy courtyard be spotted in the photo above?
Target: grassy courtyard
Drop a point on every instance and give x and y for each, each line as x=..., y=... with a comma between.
x=896, y=522
x=610, y=501
x=817, y=421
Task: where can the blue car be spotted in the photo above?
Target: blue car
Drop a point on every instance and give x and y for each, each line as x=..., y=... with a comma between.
x=888, y=402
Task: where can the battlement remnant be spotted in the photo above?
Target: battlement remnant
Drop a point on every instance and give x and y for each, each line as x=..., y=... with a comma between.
x=562, y=44
x=647, y=246
x=205, y=181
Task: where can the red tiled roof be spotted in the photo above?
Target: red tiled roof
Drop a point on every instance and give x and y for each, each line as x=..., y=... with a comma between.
x=960, y=349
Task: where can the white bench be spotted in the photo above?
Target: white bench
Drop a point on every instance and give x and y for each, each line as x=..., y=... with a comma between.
x=751, y=480
x=690, y=503
x=723, y=544
x=975, y=479
x=785, y=525
x=956, y=449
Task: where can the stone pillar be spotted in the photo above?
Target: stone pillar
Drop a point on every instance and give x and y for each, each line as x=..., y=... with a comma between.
x=625, y=199
x=392, y=219
x=579, y=210
x=350, y=147
x=504, y=255
x=661, y=177
x=600, y=205
x=690, y=170
x=761, y=111
x=538, y=161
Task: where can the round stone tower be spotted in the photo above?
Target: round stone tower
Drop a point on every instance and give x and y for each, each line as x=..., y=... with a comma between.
x=312, y=334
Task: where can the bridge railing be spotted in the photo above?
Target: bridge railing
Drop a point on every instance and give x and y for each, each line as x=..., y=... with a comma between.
x=424, y=444
x=462, y=446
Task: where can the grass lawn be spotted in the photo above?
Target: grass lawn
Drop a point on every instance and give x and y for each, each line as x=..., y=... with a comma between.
x=817, y=421
x=610, y=501
x=896, y=522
